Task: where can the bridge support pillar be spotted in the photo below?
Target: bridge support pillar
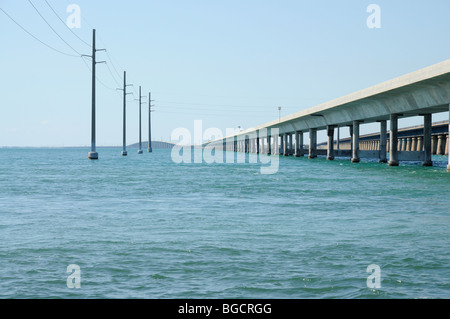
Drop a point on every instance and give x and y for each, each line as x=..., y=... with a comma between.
x=383, y=142
x=246, y=144
x=312, y=143
x=281, y=145
x=350, y=129
x=276, y=145
x=338, y=138
x=269, y=145
x=448, y=166
x=427, y=131
x=440, y=145
x=420, y=143
x=291, y=144
x=434, y=142
x=355, y=142
x=446, y=146
x=286, y=144
x=330, y=144
x=298, y=144
x=393, y=140
x=258, y=142
x=414, y=144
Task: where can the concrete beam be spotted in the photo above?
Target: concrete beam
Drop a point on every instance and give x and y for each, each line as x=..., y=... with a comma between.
x=355, y=142
x=412, y=156
x=257, y=142
x=427, y=127
x=448, y=166
x=286, y=144
x=330, y=144
x=393, y=141
x=312, y=143
x=383, y=142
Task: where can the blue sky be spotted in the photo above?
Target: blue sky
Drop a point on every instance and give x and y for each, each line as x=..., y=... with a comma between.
x=227, y=63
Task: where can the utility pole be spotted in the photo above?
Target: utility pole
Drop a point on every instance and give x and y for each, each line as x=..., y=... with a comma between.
x=93, y=153
x=124, y=149
x=150, y=122
x=140, y=122
x=279, y=114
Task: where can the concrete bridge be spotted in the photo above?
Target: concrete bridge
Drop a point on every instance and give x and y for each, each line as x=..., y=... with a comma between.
x=409, y=139
x=421, y=93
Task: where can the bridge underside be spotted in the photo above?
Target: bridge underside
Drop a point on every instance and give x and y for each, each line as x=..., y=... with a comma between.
x=421, y=93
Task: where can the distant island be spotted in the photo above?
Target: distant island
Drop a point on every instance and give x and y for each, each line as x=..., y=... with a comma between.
x=155, y=145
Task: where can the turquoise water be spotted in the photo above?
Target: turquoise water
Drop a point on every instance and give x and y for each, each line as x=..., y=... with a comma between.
x=145, y=227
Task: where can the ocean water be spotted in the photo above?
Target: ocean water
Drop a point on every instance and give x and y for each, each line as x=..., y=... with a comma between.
x=144, y=227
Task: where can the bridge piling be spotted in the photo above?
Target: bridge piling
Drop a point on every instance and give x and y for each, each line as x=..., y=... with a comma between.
x=312, y=143
x=286, y=144
x=427, y=130
x=298, y=144
x=330, y=145
x=383, y=142
x=440, y=145
x=393, y=156
x=355, y=142
x=448, y=166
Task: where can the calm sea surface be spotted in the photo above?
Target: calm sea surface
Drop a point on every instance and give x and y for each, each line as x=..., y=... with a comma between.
x=145, y=227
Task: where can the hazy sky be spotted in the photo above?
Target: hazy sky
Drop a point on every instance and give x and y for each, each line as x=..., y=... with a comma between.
x=228, y=63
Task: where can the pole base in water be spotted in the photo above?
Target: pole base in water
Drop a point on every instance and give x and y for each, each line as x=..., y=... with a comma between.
x=355, y=160
x=150, y=150
x=124, y=153
x=427, y=163
x=93, y=155
x=392, y=163
x=140, y=152
x=448, y=168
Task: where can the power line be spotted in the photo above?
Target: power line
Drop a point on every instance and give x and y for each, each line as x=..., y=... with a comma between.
x=36, y=38
x=110, y=72
x=210, y=114
x=67, y=26
x=101, y=82
x=110, y=60
x=219, y=105
x=108, y=56
x=53, y=29
x=218, y=110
